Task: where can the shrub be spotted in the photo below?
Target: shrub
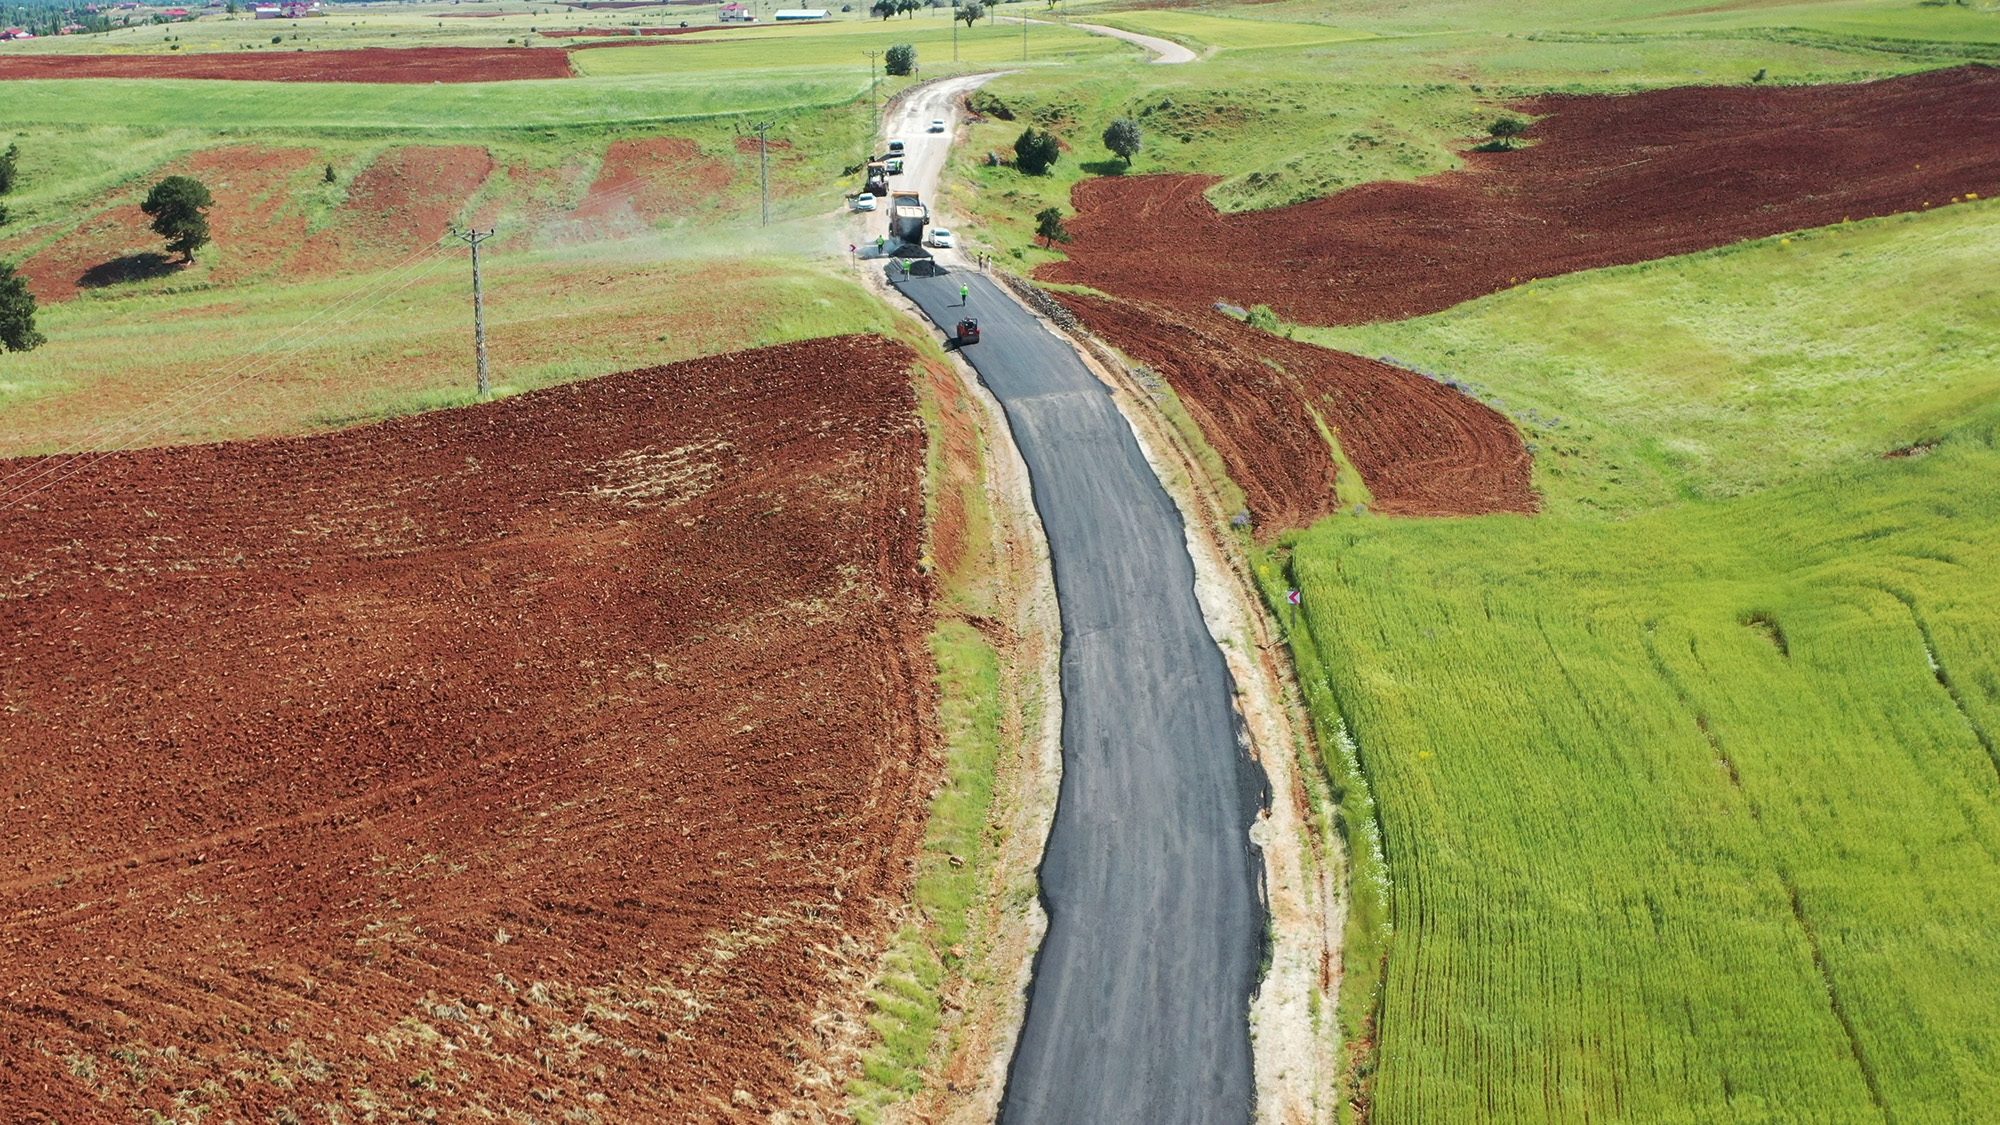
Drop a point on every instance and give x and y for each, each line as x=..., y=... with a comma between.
x=17, y=313
x=900, y=61
x=8, y=161
x=1124, y=138
x=1036, y=151
x=1049, y=226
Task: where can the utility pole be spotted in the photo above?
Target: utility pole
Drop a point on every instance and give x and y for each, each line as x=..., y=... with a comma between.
x=954, y=31
x=764, y=168
x=474, y=238
x=1024, y=39
x=874, y=107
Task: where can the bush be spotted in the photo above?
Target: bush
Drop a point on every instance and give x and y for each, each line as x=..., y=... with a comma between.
x=1124, y=138
x=1036, y=151
x=17, y=313
x=901, y=61
x=1049, y=226
x=7, y=168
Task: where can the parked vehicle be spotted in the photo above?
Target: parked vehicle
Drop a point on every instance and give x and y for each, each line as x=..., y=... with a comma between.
x=895, y=148
x=940, y=238
x=895, y=166
x=864, y=202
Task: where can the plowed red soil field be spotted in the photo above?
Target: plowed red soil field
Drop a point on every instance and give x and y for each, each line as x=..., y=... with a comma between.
x=402, y=202
x=543, y=760
x=253, y=218
x=1606, y=181
x=1422, y=448
x=644, y=181
x=365, y=64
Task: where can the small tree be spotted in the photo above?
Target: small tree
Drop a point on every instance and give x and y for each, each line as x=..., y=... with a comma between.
x=176, y=205
x=330, y=177
x=17, y=313
x=1049, y=226
x=1507, y=129
x=909, y=7
x=1124, y=138
x=1035, y=152
x=884, y=8
x=8, y=160
x=971, y=11
x=900, y=61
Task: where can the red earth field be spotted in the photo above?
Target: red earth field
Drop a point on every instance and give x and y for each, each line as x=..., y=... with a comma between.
x=547, y=759
x=365, y=64
x=402, y=201
x=1423, y=448
x=646, y=180
x=254, y=189
x=1606, y=181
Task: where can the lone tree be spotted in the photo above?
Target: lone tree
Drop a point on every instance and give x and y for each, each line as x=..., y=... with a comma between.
x=1049, y=226
x=901, y=60
x=176, y=204
x=1507, y=129
x=7, y=161
x=1036, y=151
x=884, y=8
x=971, y=12
x=1124, y=138
x=17, y=313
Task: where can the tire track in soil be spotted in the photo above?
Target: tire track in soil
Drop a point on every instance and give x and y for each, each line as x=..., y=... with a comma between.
x=544, y=755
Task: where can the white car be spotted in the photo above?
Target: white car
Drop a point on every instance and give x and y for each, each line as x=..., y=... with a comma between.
x=940, y=238
x=895, y=148
x=937, y=126
x=863, y=202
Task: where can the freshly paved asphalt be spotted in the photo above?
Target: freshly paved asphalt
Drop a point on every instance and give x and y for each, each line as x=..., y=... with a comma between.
x=1139, y=1009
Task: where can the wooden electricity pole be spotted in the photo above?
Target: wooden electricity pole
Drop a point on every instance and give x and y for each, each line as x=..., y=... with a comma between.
x=474, y=238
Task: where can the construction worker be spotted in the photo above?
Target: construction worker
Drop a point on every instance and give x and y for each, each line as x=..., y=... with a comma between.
x=964, y=292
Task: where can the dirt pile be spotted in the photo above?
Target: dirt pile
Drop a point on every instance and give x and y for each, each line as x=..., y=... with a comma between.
x=538, y=759
x=1267, y=404
x=364, y=64
x=1606, y=181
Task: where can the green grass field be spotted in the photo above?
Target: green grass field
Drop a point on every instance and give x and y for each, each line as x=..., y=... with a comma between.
x=1692, y=817
x=1730, y=371
x=376, y=345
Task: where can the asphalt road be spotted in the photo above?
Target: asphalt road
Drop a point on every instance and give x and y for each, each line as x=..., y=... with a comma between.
x=1139, y=1009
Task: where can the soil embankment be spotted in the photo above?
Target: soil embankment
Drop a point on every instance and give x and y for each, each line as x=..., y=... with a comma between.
x=361, y=64
x=536, y=757
x=1606, y=181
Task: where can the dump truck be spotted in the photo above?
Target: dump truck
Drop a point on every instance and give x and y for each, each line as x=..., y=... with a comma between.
x=907, y=217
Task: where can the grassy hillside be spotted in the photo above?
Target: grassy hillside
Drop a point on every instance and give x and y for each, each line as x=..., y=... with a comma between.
x=1722, y=373
x=271, y=359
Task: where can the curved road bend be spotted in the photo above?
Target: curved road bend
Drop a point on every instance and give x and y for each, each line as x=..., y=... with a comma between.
x=1139, y=1009
x=1166, y=52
